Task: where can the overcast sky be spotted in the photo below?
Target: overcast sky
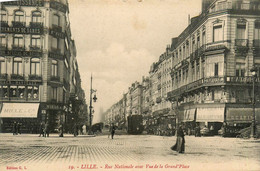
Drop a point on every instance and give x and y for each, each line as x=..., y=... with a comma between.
x=118, y=40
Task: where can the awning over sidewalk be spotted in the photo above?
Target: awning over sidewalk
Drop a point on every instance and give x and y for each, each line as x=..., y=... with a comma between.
x=239, y=115
x=19, y=110
x=210, y=114
x=189, y=115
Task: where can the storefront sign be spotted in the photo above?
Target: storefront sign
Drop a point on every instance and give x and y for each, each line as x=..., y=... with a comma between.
x=239, y=114
x=214, y=80
x=19, y=110
x=25, y=3
x=210, y=114
x=54, y=107
x=20, y=53
x=21, y=30
x=242, y=79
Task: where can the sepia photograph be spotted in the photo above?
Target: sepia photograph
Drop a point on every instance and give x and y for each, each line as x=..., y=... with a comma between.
x=130, y=85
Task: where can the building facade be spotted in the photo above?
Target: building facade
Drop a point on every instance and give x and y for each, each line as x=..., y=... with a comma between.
x=212, y=59
x=38, y=64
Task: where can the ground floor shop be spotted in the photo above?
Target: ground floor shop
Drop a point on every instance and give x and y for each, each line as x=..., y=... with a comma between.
x=28, y=116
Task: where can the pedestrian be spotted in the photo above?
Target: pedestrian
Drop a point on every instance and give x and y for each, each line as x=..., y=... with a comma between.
x=75, y=130
x=18, y=128
x=110, y=129
x=84, y=130
x=41, y=130
x=180, y=141
x=14, y=128
x=46, y=130
x=113, y=129
x=211, y=129
x=61, y=130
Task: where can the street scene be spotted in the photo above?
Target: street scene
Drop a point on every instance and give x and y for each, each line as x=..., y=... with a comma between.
x=129, y=85
x=126, y=152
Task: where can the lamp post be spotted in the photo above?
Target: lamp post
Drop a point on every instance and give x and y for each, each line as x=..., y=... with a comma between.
x=253, y=126
x=90, y=104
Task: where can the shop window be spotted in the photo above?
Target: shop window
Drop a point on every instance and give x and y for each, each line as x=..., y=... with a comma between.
x=217, y=33
x=33, y=92
x=35, y=66
x=13, y=91
x=21, y=90
x=17, y=66
x=19, y=16
x=54, y=68
x=36, y=17
x=2, y=66
x=4, y=91
x=240, y=69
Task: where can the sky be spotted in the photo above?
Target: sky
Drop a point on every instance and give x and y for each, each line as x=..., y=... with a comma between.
x=118, y=40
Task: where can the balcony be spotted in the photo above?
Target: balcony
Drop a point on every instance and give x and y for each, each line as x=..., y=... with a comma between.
x=17, y=77
x=35, y=77
x=241, y=42
x=36, y=24
x=35, y=48
x=55, y=78
x=18, y=24
x=3, y=47
x=18, y=48
x=56, y=28
x=3, y=76
x=4, y=24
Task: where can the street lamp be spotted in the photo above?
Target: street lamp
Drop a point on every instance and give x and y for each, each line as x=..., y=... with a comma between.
x=90, y=104
x=253, y=126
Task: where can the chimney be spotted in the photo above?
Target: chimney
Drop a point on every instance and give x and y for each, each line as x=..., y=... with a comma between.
x=189, y=22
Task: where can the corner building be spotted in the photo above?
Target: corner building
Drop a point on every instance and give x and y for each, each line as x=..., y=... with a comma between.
x=37, y=57
x=212, y=59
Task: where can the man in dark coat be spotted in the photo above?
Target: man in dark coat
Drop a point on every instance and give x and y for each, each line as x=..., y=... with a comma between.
x=18, y=128
x=113, y=129
x=46, y=130
x=41, y=130
x=180, y=142
x=14, y=128
x=61, y=130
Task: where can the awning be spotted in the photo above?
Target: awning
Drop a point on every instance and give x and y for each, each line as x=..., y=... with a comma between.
x=189, y=115
x=239, y=115
x=210, y=114
x=19, y=110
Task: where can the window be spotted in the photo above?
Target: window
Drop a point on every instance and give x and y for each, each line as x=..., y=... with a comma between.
x=54, y=68
x=3, y=41
x=3, y=16
x=35, y=66
x=216, y=69
x=2, y=66
x=19, y=16
x=55, y=43
x=241, y=31
x=17, y=66
x=36, y=41
x=56, y=20
x=204, y=38
x=54, y=93
x=33, y=92
x=18, y=41
x=13, y=91
x=257, y=30
x=3, y=91
x=217, y=33
x=240, y=69
x=36, y=17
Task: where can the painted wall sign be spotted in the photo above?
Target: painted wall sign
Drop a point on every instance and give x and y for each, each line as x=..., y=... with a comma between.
x=21, y=30
x=19, y=110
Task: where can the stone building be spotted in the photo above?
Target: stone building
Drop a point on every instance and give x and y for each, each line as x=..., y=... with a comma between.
x=212, y=61
x=37, y=64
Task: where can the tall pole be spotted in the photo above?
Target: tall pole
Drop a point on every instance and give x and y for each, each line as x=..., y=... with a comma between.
x=253, y=119
x=90, y=104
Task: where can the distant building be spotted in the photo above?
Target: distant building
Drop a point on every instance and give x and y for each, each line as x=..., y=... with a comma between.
x=39, y=79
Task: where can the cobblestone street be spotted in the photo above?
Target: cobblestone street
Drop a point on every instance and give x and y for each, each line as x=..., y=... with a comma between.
x=125, y=152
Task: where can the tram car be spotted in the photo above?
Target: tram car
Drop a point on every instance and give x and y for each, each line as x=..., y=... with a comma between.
x=135, y=124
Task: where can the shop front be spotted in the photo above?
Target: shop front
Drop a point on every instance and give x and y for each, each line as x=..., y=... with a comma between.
x=210, y=119
x=189, y=121
x=26, y=114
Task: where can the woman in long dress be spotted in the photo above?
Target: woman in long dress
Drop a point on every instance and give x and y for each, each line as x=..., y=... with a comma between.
x=180, y=141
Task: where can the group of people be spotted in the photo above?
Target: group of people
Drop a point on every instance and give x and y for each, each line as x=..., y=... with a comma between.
x=16, y=128
x=44, y=129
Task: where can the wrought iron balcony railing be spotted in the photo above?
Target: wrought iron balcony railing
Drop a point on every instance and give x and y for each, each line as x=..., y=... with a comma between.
x=36, y=24
x=241, y=42
x=3, y=76
x=56, y=28
x=4, y=24
x=35, y=48
x=18, y=47
x=18, y=24
x=17, y=77
x=35, y=77
x=55, y=78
